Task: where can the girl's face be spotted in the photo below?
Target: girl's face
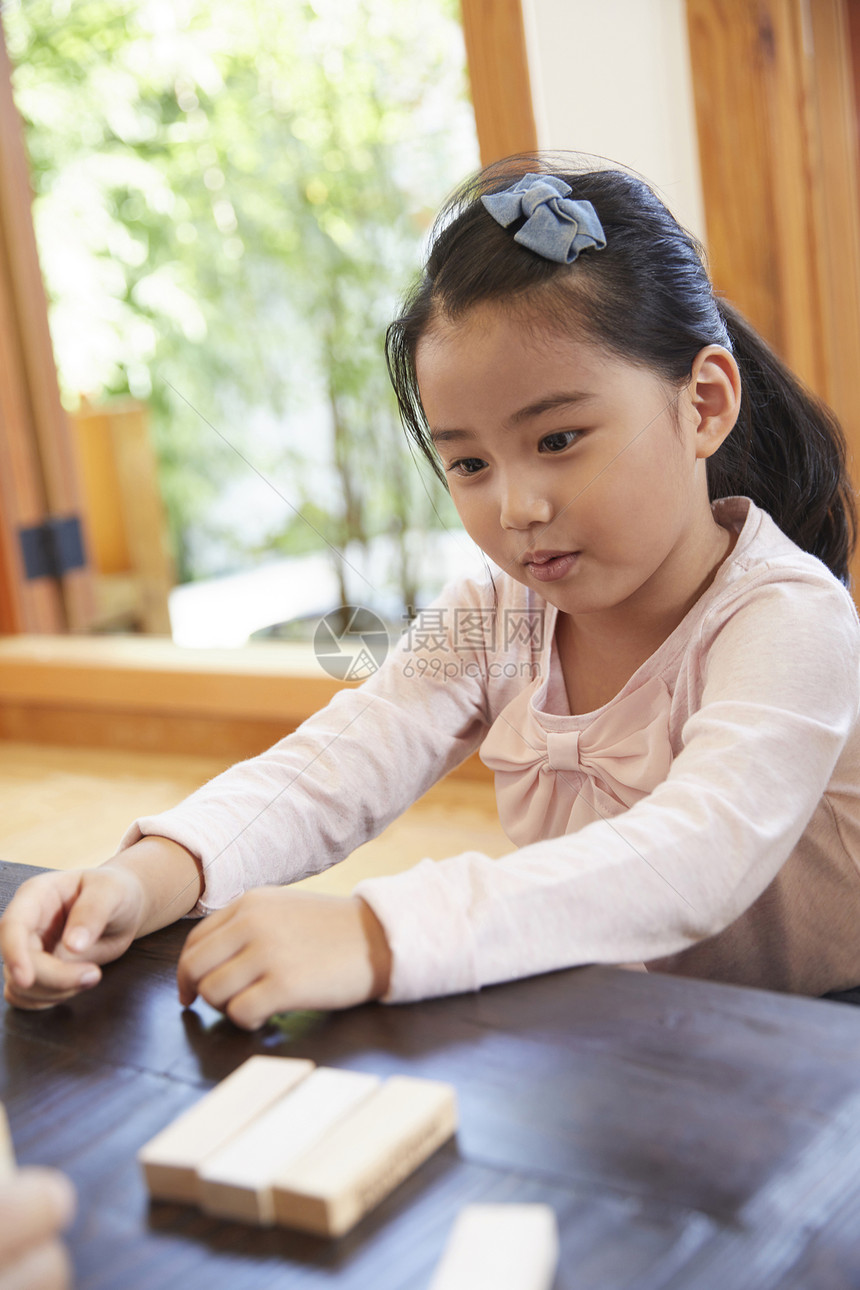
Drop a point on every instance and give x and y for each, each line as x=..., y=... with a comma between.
x=579, y=474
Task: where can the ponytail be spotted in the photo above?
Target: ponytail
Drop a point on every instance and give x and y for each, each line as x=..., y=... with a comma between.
x=787, y=452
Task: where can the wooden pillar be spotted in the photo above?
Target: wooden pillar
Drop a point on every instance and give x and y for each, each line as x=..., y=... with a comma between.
x=38, y=475
x=499, y=73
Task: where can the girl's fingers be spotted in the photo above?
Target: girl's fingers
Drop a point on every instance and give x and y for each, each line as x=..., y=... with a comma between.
x=202, y=954
x=104, y=904
x=15, y=951
x=54, y=981
x=251, y=1008
x=211, y=923
x=230, y=978
x=37, y=906
x=40, y=997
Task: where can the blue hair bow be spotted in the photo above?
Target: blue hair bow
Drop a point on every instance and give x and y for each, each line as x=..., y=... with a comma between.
x=556, y=227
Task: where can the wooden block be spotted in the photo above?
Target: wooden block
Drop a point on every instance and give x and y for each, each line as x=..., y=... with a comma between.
x=7, y=1151
x=237, y=1181
x=500, y=1247
x=364, y=1157
x=172, y=1158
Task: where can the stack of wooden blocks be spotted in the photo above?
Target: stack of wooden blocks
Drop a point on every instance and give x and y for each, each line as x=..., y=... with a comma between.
x=284, y=1141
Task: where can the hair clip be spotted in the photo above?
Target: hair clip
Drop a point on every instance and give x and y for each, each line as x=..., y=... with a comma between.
x=556, y=227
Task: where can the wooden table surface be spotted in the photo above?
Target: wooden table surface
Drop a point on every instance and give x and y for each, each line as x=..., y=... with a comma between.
x=686, y=1134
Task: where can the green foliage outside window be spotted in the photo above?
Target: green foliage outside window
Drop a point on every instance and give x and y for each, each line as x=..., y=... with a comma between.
x=230, y=199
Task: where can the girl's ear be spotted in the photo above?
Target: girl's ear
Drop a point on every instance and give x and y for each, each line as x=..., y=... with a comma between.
x=715, y=392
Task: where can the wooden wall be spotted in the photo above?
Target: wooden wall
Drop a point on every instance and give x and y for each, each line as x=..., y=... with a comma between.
x=777, y=114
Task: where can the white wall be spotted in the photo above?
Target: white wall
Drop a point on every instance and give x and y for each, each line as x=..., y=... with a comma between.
x=612, y=77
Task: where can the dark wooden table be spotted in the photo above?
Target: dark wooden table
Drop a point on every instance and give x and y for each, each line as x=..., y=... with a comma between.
x=686, y=1134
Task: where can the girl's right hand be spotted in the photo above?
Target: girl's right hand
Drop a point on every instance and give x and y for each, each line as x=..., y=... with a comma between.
x=60, y=927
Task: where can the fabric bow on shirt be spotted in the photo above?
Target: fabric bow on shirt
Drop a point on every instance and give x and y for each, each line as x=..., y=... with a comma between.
x=552, y=780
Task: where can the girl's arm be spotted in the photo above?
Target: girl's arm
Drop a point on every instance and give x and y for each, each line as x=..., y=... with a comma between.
x=351, y=768
x=780, y=701
x=170, y=876
x=294, y=810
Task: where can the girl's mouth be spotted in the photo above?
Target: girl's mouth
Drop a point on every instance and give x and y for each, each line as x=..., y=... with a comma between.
x=547, y=567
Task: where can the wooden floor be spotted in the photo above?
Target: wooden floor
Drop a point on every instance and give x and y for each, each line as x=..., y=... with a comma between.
x=68, y=807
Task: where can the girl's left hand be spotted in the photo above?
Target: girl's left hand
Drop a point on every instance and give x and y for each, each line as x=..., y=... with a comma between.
x=275, y=949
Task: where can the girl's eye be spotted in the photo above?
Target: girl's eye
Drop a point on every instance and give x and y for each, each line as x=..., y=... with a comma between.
x=560, y=440
x=552, y=443
x=466, y=466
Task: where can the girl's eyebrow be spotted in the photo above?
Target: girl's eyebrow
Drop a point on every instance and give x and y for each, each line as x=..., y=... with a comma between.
x=447, y=436
x=549, y=404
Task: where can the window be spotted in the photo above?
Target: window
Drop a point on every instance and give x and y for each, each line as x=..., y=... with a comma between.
x=229, y=201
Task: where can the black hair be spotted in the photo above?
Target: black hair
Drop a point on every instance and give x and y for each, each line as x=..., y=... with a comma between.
x=648, y=299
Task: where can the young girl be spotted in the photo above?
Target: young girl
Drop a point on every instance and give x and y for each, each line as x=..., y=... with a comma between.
x=664, y=675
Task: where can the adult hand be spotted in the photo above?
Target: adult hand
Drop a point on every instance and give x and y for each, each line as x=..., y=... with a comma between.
x=35, y=1205
x=275, y=949
x=60, y=926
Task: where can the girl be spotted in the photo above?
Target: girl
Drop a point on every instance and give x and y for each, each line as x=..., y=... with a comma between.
x=664, y=675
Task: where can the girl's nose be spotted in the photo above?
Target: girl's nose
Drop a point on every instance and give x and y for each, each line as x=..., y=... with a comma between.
x=524, y=504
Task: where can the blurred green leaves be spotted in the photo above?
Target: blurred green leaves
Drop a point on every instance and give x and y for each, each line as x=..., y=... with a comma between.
x=230, y=200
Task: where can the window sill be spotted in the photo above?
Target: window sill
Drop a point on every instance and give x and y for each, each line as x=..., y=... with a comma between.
x=278, y=681
x=146, y=693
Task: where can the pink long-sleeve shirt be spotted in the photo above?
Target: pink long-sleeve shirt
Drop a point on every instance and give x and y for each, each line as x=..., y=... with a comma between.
x=705, y=821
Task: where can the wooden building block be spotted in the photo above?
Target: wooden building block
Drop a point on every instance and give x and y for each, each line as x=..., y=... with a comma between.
x=500, y=1247
x=172, y=1158
x=365, y=1156
x=7, y=1151
x=237, y=1181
